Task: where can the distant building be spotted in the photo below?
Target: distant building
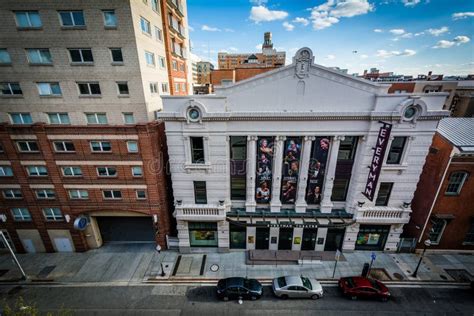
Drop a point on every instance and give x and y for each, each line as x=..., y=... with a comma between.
x=442, y=206
x=269, y=57
x=222, y=77
x=204, y=69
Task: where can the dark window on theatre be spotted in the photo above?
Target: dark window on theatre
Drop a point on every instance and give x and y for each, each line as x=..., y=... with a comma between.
x=197, y=150
x=339, y=190
x=384, y=193
x=396, y=151
x=456, y=181
x=347, y=148
x=238, y=155
x=200, y=195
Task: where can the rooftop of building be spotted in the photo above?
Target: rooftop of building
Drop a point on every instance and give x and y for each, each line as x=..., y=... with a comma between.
x=459, y=131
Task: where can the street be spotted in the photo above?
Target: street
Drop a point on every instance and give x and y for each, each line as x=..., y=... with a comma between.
x=200, y=300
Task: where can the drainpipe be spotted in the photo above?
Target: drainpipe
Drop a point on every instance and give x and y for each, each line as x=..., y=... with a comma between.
x=454, y=151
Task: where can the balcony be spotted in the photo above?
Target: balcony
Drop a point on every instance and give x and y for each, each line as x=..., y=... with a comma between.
x=176, y=5
x=383, y=215
x=196, y=212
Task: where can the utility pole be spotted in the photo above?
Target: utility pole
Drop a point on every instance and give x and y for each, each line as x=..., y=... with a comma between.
x=5, y=241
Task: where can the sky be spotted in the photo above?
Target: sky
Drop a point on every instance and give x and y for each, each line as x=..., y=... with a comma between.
x=408, y=37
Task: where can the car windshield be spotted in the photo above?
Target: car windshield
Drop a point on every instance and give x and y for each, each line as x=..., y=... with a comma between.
x=281, y=282
x=350, y=282
x=375, y=285
x=306, y=283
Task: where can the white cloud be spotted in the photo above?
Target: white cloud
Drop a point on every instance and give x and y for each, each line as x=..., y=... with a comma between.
x=233, y=49
x=364, y=56
x=410, y=3
x=229, y=30
x=397, y=31
x=328, y=13
x=458, y=40
x=330, y=57
x=382, y=53
x=419, y=33
x=258, y=2
x=288, y=26
x=438, y=32
x=303, y=21
x=210, y=28
x=378, y=30
x=462, y=15
x=191, y=28
x=262, y=14
x=258, y=46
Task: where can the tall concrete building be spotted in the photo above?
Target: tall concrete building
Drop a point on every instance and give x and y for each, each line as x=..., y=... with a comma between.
x=80, y=84
x=269, y=57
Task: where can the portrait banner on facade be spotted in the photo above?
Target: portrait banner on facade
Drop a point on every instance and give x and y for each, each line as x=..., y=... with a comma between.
x=377, y=160
x=290, y=169
x=317, y=169
x=264, y=170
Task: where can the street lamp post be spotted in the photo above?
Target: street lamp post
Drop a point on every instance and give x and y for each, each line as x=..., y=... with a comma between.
x=427, y=243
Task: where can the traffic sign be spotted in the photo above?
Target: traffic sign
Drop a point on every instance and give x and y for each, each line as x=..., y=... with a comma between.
x=373, y=256
x=338, y=254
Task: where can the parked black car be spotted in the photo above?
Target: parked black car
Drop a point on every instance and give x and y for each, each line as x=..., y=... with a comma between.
x=234, y=288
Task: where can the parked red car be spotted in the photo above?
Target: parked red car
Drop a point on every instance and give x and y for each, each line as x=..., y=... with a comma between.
x=360, y=287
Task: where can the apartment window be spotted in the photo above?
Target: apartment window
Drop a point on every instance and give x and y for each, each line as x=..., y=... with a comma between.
x=158, y=34
x=162, y=62
x=44, y=194
x=153, y=87
x=21, y=214
x=176, y=87
x=155, y=6
x=470, y=233
x=128, y=118
x=81, y=55
x=122, y=88
x=21, y=118
x=78, y=194
x=150, y=58
x=98, y=146
x=72, y=18
x=110, y=19
x=39, y=56
x=96, y=118
x=174, y=65
x=106, y=171
x=181, y=67
x=117, y=56
x=28, y=19
x=58, y=118
x=49, y=88
x=145, y=25
x=37, y=171
x=183, y=87
x=137, y=171
x=437, y=230
x=164, y=87
x=12, y=194
x=53, y=214
x=384, y=194
x=27, y=146
x=132, y=146
x=141, y=194
x=339, y=190
x=10, y=88
x=197, y=150
x=6, y=171
x=200, y=195
x=89, y=89
x=5, y=58
x=455, y=183
x=71, y=171
x=112, y=194
x=64, y=146
x=396, y=151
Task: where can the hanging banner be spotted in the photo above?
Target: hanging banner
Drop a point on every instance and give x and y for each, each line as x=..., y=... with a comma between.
x=290, y=169
x=317, y=170
x=377, y=160
x=264, y=170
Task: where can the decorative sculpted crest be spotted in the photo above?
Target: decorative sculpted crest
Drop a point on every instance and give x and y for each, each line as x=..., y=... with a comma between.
x=303, y=60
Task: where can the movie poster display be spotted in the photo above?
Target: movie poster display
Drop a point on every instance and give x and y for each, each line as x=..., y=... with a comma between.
x=264, y=170
x=290, y=169
x=317, y=170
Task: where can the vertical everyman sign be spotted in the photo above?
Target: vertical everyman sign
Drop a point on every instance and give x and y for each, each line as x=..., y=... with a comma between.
x=377, y=160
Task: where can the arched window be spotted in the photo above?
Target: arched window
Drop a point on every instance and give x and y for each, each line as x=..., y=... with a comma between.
x=456, y=181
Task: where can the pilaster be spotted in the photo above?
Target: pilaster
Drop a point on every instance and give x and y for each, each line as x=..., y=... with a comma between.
x=275, y=204
x=250, y=203
x=300, y=205
x=326, y=203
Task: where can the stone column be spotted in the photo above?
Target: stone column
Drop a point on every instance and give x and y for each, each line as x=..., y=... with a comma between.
x=301, y=205
x=275, y=204
x=326, y=203
x=251, y=165
x=359, y=176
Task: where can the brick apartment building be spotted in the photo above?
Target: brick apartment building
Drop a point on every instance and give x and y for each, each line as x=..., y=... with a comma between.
x=443, y=202
x=227, y=76
x=80, y=84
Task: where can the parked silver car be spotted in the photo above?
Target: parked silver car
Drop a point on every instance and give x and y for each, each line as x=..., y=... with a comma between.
x=297, y=287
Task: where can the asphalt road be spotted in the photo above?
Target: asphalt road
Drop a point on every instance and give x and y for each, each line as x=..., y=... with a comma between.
x=194, y=300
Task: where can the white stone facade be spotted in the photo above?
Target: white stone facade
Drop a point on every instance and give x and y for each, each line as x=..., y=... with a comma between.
x=302, y=100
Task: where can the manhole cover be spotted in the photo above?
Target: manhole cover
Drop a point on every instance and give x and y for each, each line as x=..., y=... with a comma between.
x=214, y=268
x=398, y=276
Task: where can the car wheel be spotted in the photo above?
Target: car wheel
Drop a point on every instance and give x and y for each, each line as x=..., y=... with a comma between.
x=225, y=298
x=353, y=297
x=284, y=297
x=315, y=297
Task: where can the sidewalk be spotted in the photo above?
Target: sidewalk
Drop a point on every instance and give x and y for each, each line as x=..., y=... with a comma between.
x=126, y=264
